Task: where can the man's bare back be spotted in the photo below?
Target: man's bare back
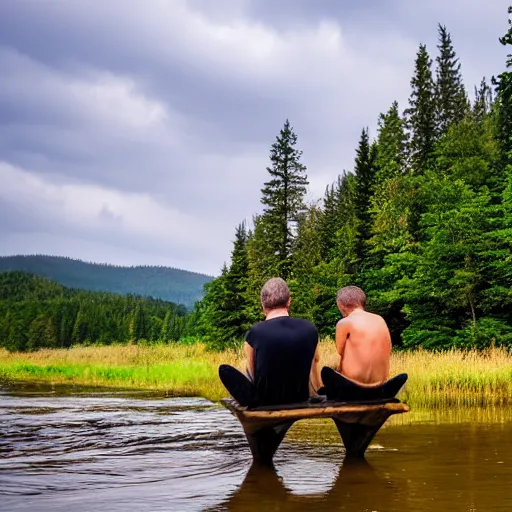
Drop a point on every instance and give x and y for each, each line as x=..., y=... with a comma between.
x=363, y=342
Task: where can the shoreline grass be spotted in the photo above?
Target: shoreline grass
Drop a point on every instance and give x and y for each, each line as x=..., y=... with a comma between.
x=436, y=380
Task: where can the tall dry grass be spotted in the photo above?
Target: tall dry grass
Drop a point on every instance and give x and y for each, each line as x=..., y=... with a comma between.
x=436, y=380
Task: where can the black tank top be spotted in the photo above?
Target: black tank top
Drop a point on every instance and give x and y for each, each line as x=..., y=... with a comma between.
x=284, y=348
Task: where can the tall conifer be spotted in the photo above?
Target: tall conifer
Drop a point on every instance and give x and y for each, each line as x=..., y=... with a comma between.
x=283, y=196
x=235, y=323
x=451, y=99
x=365, y=170
x=421, y=114
x=391, y=144
x=504, y=98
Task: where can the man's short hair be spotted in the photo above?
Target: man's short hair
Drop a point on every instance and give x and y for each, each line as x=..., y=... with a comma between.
x=275, y=294
x=351, y=297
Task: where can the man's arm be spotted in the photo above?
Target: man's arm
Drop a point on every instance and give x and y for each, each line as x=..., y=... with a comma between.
x=342, y=333
x=249, y=355
x=316, y=381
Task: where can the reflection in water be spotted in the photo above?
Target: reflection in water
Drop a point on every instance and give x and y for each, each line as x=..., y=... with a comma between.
x=357, y=486
x=118, y=452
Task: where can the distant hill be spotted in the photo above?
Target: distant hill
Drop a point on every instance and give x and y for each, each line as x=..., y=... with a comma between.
x=38, y=313
x=170, y=284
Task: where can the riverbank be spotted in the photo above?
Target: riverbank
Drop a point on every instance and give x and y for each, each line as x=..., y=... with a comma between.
x=453, y=378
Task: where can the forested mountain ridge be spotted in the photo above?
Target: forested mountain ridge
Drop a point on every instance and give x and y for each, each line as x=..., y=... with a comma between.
x=170, y=284
x=38, y=313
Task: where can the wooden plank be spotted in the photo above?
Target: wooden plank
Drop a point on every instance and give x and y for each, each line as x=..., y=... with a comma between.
x=333, y=410
x=356, y=423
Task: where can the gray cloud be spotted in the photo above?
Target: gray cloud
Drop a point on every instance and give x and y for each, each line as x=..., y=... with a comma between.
x=136, y=134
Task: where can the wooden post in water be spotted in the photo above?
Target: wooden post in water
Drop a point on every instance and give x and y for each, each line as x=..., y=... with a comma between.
x=266, y=427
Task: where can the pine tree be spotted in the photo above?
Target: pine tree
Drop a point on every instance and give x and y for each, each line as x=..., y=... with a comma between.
x=81, y=328
x=421, y=114
x=347, y=236
x=469, y=152
x=391, y=145
x=444, y=294
x=392, y=199
x=365, y=171
x=451, y=99
x=234, y=323
x=283, y=196
x=138, y=325
x=329, y=221
x=165, y=333
x=504, y=99
x=307, y=255
x=483, y=103
x=211, y=308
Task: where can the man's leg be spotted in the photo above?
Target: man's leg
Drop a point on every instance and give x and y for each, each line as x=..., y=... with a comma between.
x=238, y=385
x=338, y=387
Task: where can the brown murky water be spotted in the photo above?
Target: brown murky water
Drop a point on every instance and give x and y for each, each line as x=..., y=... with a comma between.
x=114, y=452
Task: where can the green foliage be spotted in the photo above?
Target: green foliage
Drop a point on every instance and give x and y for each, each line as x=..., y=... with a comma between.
x=421, y=114
x=38, y=313
x=424, y=224
x=170, y=284
x=224, y=310
x=504, y=99
x=283, y=198
x=365, y=171
x=391, y=146
x=451, y=99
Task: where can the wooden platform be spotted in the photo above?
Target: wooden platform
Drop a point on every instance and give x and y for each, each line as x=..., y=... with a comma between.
x=265, y=427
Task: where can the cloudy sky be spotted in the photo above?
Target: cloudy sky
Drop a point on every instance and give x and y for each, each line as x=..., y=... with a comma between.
x=138, y=132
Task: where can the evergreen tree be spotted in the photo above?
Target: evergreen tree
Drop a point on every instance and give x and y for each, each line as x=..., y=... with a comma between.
x=283, y=196
x=80, y=329
x=307, y=255
x=469, y=152
x=166, y=330
x=235, y=322
x=391, y=145
x=421, y=114
x=138, y=325
x=483, y=103
x=329, y=220
x=211, y=308
x=347, y=233
x=365, y=171
x=504, y=99
x=391, y=202
x=444, y=294
x=451, y=99
x=41, y=333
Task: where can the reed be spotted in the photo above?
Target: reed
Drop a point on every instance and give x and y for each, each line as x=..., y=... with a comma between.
x=436, y=380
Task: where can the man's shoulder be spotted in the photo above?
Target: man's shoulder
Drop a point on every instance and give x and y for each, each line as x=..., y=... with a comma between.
x=343, y=322
x=303, y=322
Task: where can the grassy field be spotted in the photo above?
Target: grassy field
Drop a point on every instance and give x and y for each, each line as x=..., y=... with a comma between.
x=453, y=378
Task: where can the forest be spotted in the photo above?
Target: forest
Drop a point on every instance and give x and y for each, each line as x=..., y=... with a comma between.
x=38, y=313
x=423, y=222
x=175, y=285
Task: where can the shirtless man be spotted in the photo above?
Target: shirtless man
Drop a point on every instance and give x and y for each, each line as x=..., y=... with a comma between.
x=363, y=340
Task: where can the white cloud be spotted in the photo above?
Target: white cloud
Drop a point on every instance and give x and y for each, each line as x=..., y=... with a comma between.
x=107, y=214
x=96, y=97
x=148, y=129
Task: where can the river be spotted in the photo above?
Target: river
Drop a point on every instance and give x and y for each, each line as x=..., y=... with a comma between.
x=114, y=451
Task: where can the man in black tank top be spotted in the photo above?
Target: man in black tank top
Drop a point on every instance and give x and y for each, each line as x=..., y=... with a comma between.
x=281, y=353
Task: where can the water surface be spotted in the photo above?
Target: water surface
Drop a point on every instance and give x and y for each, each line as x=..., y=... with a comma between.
x=106, y=451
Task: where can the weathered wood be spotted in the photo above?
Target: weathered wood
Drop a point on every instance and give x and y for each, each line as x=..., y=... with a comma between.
x=265, y=428
x=356, y=436
x=265, y=441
